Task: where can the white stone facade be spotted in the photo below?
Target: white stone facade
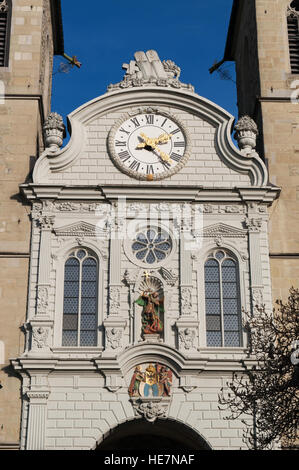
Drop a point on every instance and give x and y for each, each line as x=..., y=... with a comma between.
x=74, y=396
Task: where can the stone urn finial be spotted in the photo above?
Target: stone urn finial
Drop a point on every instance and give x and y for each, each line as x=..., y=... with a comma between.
x=54, y=131
x=246, y=133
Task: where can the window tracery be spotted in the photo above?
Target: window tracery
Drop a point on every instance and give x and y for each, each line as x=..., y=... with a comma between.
x=80, y=299
x=222, y=300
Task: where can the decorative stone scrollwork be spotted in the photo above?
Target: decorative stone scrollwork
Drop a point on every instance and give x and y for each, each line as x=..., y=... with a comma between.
x=293, y=11
x=114, y=300
x=113, y=337
x=187, y=338
x=54, y=131
x=151, y=409
x=42, y=300
x=169, y=275
x=39, y=337
x=3, y=6
x=186, y=300
x=257, y=298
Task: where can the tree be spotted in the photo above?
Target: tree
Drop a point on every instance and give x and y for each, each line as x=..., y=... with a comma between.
x=267, y=391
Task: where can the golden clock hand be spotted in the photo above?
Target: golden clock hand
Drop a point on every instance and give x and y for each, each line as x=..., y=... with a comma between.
x=147, y=142
x=165, y=157
x=162, y=139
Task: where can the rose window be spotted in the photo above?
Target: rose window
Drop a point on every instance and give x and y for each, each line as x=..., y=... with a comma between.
x=152, y=245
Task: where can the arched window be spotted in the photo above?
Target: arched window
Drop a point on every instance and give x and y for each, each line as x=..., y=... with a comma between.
x=80, y=299
x=222, y=301
x=293, y=34
x=5, y=21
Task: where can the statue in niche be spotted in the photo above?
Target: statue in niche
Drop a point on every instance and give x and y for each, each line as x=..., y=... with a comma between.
x=155, y=381
x=152, y=301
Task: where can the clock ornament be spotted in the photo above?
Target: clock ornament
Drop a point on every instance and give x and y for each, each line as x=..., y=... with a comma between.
x=149, y=144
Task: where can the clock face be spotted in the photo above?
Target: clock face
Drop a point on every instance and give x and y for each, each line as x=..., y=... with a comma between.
x=149, y=146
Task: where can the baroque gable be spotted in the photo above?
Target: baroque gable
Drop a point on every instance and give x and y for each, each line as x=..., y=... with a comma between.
x=213, y=160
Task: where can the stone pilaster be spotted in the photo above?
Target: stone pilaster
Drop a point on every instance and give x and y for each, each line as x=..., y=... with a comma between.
x=37, y=420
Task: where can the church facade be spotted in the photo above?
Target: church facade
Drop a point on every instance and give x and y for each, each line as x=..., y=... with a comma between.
x=149, y=239
x=149, y=236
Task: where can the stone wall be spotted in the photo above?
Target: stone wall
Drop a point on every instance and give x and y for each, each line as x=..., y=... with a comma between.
x=21, y=140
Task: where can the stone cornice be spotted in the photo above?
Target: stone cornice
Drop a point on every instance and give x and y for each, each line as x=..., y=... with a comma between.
x=109, y=193
x=145, y=352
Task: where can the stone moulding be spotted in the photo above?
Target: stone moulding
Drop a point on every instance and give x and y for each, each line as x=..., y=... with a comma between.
x=52, y=162
x=79, y=229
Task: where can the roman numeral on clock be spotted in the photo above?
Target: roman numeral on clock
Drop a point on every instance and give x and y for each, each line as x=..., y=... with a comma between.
x=134, y=165
x=175, y=131
x=119, y=143
x=179, y=144
x=150, y=170
x=124, y=155
x=149, y=118
x=135, y=122
x=175, y=156
x=124, y=130
x=166, y=165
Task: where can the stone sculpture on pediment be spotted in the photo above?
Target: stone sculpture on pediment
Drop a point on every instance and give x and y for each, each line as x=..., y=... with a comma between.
x=148, y=69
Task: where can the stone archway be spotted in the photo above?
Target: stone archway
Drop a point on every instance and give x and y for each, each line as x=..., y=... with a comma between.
x=163, y=434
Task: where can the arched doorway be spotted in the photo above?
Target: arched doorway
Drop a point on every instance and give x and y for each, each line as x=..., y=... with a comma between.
x=163, y=434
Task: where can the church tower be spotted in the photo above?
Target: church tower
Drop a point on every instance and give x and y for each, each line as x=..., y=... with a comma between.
x=30, y=34
x=263, y=41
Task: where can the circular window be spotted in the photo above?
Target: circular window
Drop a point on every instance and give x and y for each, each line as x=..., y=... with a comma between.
x=152, y=245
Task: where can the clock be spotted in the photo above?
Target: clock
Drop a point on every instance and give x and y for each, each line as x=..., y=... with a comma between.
x=149, y=144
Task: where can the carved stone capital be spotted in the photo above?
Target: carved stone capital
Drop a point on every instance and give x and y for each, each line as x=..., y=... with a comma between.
x=253, y=224
x=46, y=222
x=37, y=394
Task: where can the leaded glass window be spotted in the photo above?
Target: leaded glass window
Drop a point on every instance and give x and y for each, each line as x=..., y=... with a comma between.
x=152, y=245
x=222, y=301
x=80, y=299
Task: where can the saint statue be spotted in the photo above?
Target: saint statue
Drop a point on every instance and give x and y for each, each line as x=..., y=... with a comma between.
x=152, y=309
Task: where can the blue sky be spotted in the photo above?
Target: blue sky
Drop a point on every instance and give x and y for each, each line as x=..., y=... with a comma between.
x=105, y=34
